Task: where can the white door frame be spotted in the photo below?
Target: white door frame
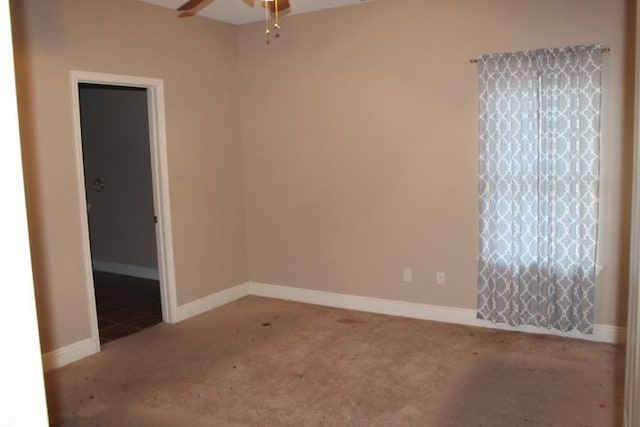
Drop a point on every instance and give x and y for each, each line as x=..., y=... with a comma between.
x=160, y=179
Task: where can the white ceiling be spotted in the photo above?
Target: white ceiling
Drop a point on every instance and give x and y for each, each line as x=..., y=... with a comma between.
x=239, y=12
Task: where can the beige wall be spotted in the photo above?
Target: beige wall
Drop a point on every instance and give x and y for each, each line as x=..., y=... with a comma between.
x=360, y=161
x=197, y=59
x=361, y=158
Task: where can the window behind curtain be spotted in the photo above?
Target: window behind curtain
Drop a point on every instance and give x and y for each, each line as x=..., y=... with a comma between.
x=539, y=160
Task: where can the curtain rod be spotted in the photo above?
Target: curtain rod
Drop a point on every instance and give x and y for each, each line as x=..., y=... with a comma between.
x=604, y=50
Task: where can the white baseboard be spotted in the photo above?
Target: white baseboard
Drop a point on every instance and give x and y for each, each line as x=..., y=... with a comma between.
x=601, y=333
x=69, y=354
x=126, y=269
x=212, y=301
x=461, y=316
x=373, y=305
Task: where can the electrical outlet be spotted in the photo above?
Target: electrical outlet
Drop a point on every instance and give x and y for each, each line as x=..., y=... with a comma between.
x=407, y=275
x=440, y=278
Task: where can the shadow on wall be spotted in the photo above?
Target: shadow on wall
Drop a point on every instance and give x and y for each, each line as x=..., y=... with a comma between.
x=34, y=192
x=626, y=170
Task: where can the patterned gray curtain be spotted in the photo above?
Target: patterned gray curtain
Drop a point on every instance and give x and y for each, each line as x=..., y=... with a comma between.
x=539, y=167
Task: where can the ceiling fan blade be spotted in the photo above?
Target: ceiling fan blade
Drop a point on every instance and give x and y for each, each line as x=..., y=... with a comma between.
x=282, y=5
x=190, y=5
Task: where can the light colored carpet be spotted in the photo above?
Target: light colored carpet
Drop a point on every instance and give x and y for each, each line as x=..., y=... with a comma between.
x=264, y=362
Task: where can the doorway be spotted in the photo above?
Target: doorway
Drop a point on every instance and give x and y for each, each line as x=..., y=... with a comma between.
x=122, y=168
x=114, y=124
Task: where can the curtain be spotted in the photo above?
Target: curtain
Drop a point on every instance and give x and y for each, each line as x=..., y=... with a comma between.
x=538, y=186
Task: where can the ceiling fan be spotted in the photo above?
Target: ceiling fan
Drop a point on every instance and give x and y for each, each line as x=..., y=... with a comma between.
x=192, y=7
x=271, y=7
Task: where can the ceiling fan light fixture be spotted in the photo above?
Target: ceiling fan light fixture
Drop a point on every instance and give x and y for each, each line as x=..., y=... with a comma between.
x=272, y=7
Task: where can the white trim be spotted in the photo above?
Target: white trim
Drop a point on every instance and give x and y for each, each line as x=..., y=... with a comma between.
x=212, y=301
x=413, y=310
x=601, y=333
x=160, y=179
x=162, y=205
x=126, y=269
x=438, y=313
x=69, y=354
x=462, y=316
x=84, y=220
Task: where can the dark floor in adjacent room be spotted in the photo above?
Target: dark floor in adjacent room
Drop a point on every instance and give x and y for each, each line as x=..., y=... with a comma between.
x=125, y=304
x=266, y=362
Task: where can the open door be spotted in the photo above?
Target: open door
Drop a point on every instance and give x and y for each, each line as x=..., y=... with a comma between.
x=153, y=222
x=120, y=207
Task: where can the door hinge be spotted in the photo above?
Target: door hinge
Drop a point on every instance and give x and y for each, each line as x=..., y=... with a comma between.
x=155, y=219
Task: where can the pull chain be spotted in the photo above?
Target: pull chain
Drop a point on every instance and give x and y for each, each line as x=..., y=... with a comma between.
x=277, y=24
x=266, y=21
